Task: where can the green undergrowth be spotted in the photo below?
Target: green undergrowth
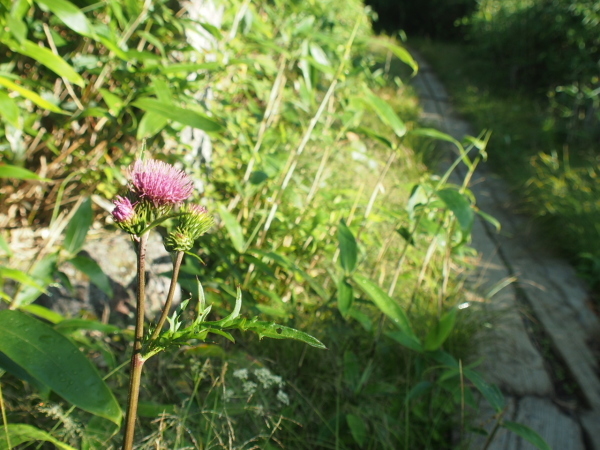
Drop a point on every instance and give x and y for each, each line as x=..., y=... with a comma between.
x=551, y=166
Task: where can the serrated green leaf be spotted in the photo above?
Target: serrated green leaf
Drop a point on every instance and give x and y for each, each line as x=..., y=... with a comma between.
x=20, y=433
x=97, y=276
x=235, y=313
x=526, y=433
x=55, y=361
x=78, y=227
x=184, y=116
x=348, y=248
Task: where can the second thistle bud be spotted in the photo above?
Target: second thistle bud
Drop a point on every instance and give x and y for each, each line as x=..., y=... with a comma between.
x=194, y=221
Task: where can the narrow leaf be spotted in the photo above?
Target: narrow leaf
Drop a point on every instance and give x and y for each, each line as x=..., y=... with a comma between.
x=97, y=276
x=490, y=391
x=345, y=296
x=527, y=433
x=358, y=429
x=386, y=113
x=385, y=303
x=55, y=361
x=53, y=62
x=401, y=53
x=78, y=227
x=184, y=116
x=234, y=229
x=19, y=173
x=35, y=98
x=440, y=331
x=19, y=433
x=70, y=15
x=348, y=248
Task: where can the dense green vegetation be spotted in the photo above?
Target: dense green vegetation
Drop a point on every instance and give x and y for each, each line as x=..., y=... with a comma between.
x=528, y=71
x=327, y=221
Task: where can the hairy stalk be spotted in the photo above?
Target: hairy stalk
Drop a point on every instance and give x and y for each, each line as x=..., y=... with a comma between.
x=137, y=362
x=169, y=302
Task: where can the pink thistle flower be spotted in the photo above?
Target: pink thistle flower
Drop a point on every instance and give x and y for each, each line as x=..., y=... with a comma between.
x=123, y=211
x=159, y=183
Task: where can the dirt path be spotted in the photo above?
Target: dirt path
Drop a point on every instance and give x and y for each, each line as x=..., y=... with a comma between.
x=537, y=351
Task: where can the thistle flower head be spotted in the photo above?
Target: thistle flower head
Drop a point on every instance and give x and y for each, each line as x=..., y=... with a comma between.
x=123, y=211
x=159, y=183
x=194, y=221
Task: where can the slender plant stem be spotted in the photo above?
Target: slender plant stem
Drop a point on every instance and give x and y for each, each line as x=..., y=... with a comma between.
x=4, y=421
x=169, y=302
x=137, y=362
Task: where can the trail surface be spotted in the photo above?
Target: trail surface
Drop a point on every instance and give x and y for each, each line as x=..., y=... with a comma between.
x=538, y=350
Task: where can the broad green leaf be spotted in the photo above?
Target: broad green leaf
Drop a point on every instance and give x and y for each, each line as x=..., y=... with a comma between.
x=53, y=62
x=526, y=433
x=490, y=391
x=9, y=109
x=17, y=371
x=385, y=112
x=17, y=27
x=55, y=361
x=151, y=123
x=70, y=15
x=19, y=173
x=35, y=98
x=440, y=331
x=460, y=207
x=184, y=116
x=19, y=433
x=386, y=304
x=236, y=234
x=345, y=296
x=358, y=429
x=401, y=53
x=78, y=227
x=348, y=248
x=97, y=276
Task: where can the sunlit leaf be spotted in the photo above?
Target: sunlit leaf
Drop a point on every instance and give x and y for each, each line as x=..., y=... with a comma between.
x=348, y=248
x=35, y=98
x=236, y=234
x=69, y=14
x=55, y=361
x=184, y=116
x=19, y=433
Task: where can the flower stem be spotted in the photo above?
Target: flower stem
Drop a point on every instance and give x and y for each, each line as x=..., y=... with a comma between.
x=137, y=362
x=169, y=302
